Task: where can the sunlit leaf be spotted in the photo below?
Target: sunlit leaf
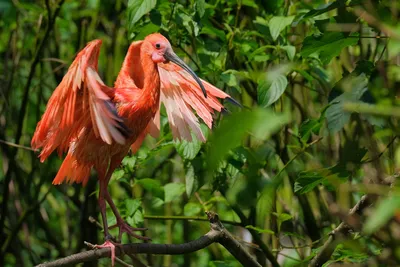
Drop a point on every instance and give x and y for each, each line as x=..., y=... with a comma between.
x=137, y=9
x=200, y=7
x=277, y=24
x=188, y=149
x=132, y=205
x=290, y=50
x=147, y=29
x=118, y=174
x=129, y=162
x=259, y=122
x=192, y=209
x=229, y=78
x=173, y=191
x=270, y=91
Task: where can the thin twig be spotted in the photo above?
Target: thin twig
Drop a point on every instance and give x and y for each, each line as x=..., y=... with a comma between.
x=189, y=218
x=380, y=154
x=18, y=146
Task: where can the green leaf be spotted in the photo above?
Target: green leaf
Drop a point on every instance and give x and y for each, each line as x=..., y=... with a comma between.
x=229, y=78
x=152, y=185
x=137, y=219
x=326, y=46
x=270, y=91
x=282, y=217
x=354, y=89
x=261, y=58
x=259, y=122
x=173, y=191
x=323, y=9
x=132, y=205
x=200, y=7
x=290, y=50
x=192, y=209
x=383, y=212
x=188, y=149
x=259, y=230
x=308, y=127
x=118, y=174
x=137, y=9
x=249, y=3
x=190, y=179
x=129, y=161
x=307, y=181
x=188, y=23
x=277, y=24
x=146, y=30
x=222, y=264
x=294, y=235
x=210, y=30
x=265, y=202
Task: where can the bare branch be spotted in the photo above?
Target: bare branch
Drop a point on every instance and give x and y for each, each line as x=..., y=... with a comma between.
x=218, y=233
x=342, y=230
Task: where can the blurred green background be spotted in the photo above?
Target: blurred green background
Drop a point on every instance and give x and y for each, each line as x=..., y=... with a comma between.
x=318, y=80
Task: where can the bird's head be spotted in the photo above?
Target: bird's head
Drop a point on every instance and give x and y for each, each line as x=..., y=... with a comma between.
x=160, y=50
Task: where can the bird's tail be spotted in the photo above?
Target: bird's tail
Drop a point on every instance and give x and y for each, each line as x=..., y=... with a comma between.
x=73, y=171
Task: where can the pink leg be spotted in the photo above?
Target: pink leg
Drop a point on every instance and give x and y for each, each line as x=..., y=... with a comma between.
x=109, y=244
x=102, y=203
x=123, y=226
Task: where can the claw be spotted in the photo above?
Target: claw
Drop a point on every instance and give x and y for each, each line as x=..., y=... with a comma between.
x=111, y=245
x=126, y=228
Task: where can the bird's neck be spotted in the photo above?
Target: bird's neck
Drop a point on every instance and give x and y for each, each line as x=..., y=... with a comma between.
x=151, y=83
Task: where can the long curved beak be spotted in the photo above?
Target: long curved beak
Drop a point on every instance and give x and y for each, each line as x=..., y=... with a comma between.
x=171, y=56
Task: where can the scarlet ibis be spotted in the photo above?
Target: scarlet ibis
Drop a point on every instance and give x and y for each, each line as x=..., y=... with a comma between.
x=97, y=125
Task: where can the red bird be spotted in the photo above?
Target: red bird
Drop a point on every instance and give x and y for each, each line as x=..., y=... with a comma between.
x=97, y=125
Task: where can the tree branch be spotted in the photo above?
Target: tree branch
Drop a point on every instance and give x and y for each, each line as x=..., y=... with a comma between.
x=343, y=229
x=218, y=233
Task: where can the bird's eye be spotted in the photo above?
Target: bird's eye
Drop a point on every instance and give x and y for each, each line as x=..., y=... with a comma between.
x=158, y=46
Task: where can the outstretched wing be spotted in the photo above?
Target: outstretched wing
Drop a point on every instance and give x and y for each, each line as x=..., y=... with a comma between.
x=181, y=95
x=81, y=102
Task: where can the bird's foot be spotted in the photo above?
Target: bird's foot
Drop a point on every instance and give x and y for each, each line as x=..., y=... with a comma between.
x=126, y=228
x=110, y=244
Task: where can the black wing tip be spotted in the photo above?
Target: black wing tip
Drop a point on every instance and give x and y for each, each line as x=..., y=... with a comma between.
x=122, y=128
x=224, y=111
x=233, y=101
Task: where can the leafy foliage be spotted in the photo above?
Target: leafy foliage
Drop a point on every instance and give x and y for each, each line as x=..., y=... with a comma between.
x=318, y=129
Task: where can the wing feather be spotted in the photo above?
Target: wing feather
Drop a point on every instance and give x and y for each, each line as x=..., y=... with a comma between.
x=81, y=92
x=182, y=98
